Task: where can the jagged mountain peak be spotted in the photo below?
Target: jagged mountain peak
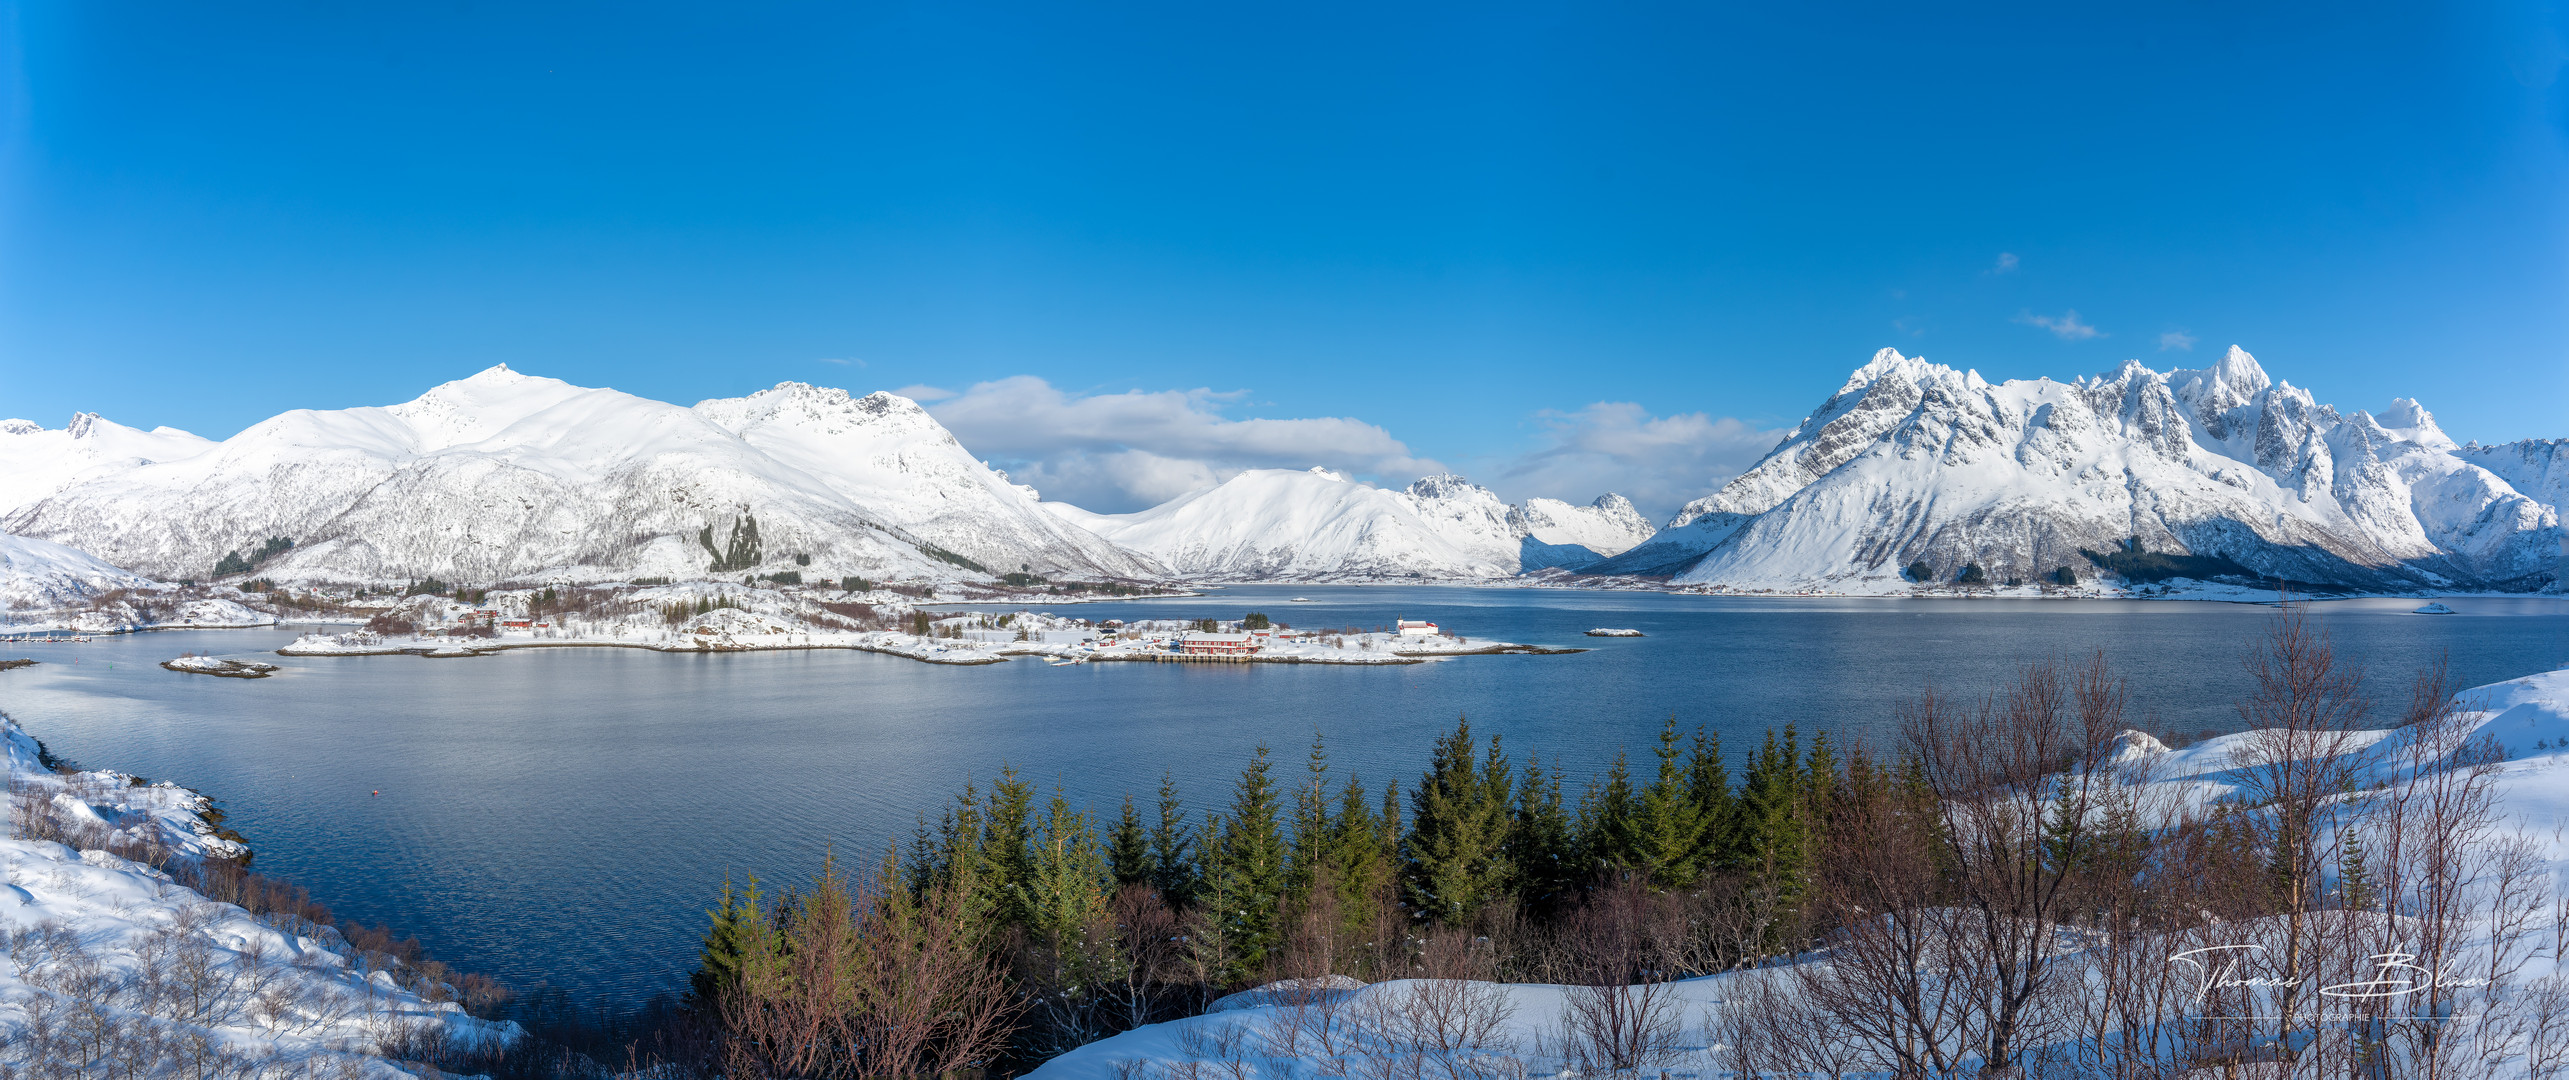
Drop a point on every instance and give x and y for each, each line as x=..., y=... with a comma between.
x=1447, y=486
x=1914, y=464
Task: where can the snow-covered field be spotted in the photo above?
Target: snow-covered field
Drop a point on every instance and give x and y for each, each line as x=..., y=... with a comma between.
x=111, y=965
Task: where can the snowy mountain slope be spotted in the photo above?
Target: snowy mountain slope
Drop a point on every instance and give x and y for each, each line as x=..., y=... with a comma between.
x=35, y=462
x=885, y=453
x=46, y=587
x=2537, y=467
x=1269, y=524
x=36, y=575
x=503, y=475
x=1916, y=462
x=1608, y=526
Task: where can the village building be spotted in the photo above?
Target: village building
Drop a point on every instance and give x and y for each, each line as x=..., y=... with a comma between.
x=1218, y=644
x=1415, y=628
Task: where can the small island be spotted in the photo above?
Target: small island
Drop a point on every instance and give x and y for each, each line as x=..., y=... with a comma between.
x=1604, y=631
x=227, y=669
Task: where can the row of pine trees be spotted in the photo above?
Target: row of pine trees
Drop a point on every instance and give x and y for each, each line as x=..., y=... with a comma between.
x=1102, y=921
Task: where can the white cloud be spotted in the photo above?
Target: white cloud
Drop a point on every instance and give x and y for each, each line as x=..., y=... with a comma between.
x=2066, y=327
x=842, y=361
x=2006, y=263
x=1659, y=462
x=2177, y=339
x=923, y=393
x=1120, y=452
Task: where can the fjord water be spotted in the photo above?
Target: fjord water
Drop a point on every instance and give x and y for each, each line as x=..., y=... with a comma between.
x=564, y=816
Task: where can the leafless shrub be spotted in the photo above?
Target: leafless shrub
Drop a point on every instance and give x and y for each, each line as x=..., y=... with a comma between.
x=1449, y=1029
x=1622, y=1015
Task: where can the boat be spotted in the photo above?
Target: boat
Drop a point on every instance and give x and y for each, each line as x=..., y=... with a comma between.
x=1069, y=662
x=2434, y=609
x=1302, y=599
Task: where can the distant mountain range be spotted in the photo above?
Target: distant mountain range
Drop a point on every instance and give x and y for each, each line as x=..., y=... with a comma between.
x=1316, y=525
x=1913, y=475
x=504, y=476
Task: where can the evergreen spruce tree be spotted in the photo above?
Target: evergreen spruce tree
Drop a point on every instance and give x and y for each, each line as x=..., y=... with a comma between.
x=1068, y=903
x=1359, y=865
x=739, y=925
x=1173, y=849
x=1007, y=832
x=1708, y=786
x=1668, y=829
x=1819, y=785
x=1066, y=875
x=1542, y=844
x=2354, y=881
x=1770, y=843
x=1606, y=822
x=1456, y=853
x=1248, y=855
x=1128, y=848
x=1311, y=801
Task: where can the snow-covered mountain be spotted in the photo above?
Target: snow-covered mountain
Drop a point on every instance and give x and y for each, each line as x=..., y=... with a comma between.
x=504, y=475
x=36, y=575
x=1280, y=524
x=1912, y=462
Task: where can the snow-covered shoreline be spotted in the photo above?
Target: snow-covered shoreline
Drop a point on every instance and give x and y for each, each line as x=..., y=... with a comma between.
x=1365, y=649
x=102, y=939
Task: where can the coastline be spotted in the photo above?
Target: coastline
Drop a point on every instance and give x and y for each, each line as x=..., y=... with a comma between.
x=110, y=873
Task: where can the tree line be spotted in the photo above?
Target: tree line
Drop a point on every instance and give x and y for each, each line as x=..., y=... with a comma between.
x=1073, y=925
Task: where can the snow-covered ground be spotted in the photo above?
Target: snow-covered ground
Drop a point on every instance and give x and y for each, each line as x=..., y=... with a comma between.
x=110, y=962
x=1415, y=1028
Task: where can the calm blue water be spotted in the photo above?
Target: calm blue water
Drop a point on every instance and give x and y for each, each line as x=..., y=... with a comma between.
x=563, y=816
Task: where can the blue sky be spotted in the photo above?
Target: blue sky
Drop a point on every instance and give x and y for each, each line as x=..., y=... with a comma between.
x=1559, y=247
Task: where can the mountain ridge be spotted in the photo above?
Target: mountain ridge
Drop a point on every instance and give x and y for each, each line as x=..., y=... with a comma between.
x=1912, y=463
x=1318, y=525
x=503, y=475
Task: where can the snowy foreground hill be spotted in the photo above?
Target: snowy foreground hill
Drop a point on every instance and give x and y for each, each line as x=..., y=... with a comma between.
x=2511, y=1027
x=2233, y=473
x=1287, y=525
x=507, y=476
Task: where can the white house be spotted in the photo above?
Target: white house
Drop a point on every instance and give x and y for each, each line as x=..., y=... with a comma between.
x=1416, y=628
